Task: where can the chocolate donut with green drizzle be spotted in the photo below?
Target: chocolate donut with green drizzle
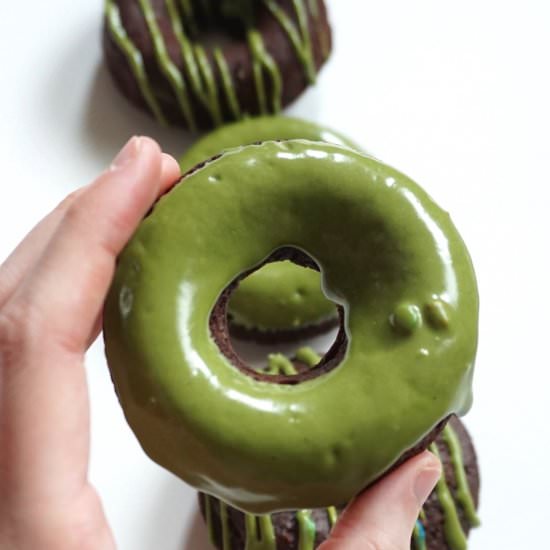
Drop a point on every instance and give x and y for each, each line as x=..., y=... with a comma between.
x=401, y=364
x=444, y=523
x=231, y=529
x=282, y=301
x=200, y=63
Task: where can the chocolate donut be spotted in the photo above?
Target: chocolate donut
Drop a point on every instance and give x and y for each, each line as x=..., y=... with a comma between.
x=444, y=524
x=164, y=60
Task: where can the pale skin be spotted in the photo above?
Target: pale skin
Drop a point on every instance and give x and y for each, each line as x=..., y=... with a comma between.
x=52, y=289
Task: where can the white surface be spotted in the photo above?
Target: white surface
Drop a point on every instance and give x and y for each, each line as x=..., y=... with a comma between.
x=454, y=94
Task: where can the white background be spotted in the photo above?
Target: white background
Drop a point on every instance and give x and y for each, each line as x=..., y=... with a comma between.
x=455, y=94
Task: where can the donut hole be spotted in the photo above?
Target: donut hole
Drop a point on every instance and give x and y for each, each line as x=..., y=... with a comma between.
x=287, y=356
x=219, y=25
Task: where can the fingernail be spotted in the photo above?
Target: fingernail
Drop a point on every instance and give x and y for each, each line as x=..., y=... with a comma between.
x=127, y=154
x=425, y=483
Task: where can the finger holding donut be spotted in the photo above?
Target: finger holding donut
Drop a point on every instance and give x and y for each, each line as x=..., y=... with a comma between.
x=53, y=287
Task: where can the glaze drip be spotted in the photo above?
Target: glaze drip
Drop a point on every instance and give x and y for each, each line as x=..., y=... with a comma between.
x=197, y=79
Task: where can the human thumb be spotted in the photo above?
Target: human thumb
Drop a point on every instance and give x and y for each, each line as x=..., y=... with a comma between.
x=383, y=516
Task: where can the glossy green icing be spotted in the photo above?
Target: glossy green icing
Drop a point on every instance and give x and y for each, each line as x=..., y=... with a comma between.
x=281, y=295
x=454, y=534
x=253, y=130
x=166, y=65
x=306, y=530
x=463, y=493
x=260, y=446
x=406, y=318
x=134, y=57
x=198, y=66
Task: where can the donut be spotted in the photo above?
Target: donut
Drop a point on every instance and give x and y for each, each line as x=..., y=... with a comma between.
x=402, y=361
x=282, y=301
x=444, y=523
x=199, y=64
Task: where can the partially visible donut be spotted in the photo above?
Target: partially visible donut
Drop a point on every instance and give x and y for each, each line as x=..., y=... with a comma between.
x=262, y=56
x=282, y=301
x=401, y=364
x=444, y=524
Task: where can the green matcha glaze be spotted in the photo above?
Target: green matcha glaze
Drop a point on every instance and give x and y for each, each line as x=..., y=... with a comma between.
x=196, y=78
x=282, y=295
x=253, y=130
x=379, y=241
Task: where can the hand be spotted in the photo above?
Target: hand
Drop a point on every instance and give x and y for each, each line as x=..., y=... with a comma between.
x=52, y=290
x=383, y=517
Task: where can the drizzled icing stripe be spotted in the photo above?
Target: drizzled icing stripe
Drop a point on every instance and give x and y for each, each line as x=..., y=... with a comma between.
x=167, y=66
x=332, y=514
x=454, y=534
x=262, y=62
x=278, y=363
x=196, y=66
x=208, y=515
x=463, y=493
x=419, y=536
x=301, y=39
x=134, y=57
x=306, y=529
x=227, y=83
x=262, y=538
x=224, y=519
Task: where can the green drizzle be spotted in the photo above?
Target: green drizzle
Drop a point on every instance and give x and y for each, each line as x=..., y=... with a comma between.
x=226, y=539
x=208, y=515
x=463, y=493
x=134, y=57
x=260, y=534
x=332, y=514
x=456, y=538
x=166, y=65
x=301, y=44
x=419, y=537
x=279, y=363
x=307, y=530
x=228, y=84
x=308, y=356
x=262, y=62
x=198, y=67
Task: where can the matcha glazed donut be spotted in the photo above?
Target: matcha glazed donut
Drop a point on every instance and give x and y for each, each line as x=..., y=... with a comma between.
x=282, y=301
x=199, y=64
x=402, y=364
